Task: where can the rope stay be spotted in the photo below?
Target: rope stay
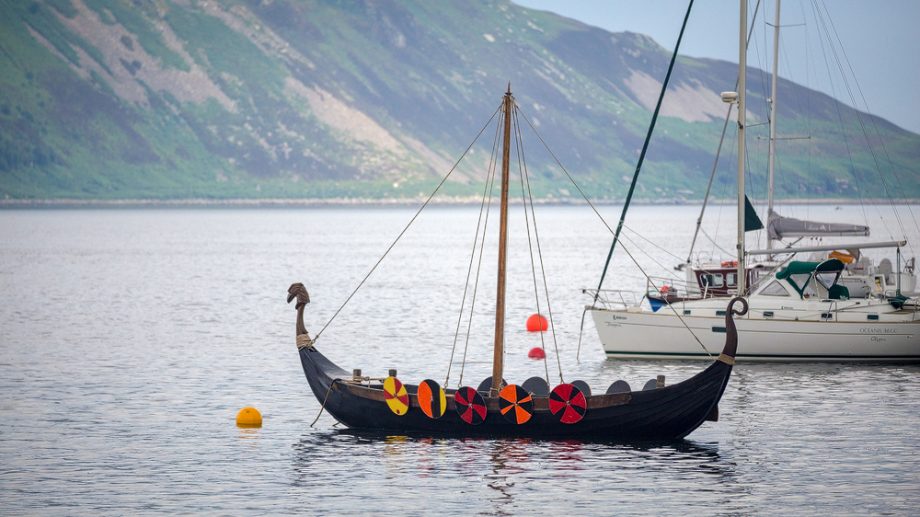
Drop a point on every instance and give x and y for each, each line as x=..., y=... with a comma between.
x=607, y=225
x=406, y=228
x=518, y=147
x=490, y=180
x=825, y=22
x=486, y=192
x=648, y=138
x=525, y=179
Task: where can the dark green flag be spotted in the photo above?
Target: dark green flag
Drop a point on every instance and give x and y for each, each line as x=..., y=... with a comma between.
x=751, y=221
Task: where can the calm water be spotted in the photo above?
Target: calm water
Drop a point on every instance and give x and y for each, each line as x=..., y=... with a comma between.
x=130, y=338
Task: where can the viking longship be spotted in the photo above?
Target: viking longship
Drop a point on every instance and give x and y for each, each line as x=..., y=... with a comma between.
x=498, y=408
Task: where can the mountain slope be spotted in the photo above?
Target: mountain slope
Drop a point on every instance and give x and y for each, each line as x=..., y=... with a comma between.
x=178, y=99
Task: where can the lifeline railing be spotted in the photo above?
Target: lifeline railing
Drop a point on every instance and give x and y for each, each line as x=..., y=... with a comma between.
x=614, y=298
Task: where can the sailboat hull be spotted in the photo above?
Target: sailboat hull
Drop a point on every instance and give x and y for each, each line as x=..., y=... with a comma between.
x=628, y=334
x=665, y=413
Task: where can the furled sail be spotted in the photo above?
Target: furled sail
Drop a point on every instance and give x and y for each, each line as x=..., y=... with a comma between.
x=779, y=227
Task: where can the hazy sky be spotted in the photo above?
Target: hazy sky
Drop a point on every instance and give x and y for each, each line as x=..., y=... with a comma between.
x=881, y=39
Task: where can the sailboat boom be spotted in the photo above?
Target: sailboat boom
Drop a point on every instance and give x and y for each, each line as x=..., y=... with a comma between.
x=831, y=247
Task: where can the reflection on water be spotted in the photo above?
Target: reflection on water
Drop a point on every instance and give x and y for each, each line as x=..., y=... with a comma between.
x=129, y=339
x=508, y=458
x=508, y=476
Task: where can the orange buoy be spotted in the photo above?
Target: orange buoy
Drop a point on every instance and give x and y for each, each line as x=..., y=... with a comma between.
x=249, y=417
x=537, y=323
x=536, y=353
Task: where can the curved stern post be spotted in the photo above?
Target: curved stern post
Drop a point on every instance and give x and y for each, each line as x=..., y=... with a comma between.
x=731, y=332
x=299, y=292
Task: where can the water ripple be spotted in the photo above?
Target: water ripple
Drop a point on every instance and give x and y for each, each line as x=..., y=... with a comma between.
x=130, y=338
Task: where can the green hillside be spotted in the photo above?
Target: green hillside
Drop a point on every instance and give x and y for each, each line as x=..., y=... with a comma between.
x=290, y=99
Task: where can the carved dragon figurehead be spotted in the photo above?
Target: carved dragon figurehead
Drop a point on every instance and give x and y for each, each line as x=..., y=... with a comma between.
x=303, y=298
x=300, y=292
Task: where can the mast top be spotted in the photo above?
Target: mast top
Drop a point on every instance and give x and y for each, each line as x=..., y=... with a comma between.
x=509, y=89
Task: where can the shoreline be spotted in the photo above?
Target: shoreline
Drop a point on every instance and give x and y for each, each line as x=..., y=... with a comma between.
x=401, y=202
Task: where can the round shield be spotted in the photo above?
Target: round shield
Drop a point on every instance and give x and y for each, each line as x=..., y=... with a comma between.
x=470, y=406
x=394, y=393
x=536, y=386
x=568, y=403
x=515, y=404
x=582, y=387
x=619, y=387
x=431, y=399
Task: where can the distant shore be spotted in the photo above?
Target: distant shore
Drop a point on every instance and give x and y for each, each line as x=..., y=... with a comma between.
x=401, y=202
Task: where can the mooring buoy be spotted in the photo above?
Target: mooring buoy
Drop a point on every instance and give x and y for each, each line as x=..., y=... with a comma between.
x=249, y=417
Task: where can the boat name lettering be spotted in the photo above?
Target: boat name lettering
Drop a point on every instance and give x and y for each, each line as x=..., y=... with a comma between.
x=876, y=330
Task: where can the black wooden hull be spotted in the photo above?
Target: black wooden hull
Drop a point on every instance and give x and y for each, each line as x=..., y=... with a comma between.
x=666, y=413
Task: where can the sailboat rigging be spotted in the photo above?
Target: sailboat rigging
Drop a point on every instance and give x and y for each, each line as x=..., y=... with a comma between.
x=803, y=312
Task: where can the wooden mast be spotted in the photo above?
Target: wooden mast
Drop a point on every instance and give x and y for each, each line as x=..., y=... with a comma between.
x=498, y=352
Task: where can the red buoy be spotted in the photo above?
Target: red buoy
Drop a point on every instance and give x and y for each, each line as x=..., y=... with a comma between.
x=536, y=353
x=537, y=323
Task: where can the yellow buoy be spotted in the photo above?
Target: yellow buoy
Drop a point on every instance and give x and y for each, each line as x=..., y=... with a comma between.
x=249, y=417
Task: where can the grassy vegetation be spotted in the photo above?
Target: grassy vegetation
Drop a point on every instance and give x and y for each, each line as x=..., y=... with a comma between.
x=138, y=19
x=425, y=80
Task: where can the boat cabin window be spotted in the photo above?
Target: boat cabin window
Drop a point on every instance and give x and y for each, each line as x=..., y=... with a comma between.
x=827, y=278
x=774, y=288
x=804, y=283
x=809, y=291
x=711, y=280
x=731, y=279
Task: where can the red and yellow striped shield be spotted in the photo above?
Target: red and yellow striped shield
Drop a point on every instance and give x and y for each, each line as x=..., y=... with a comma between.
x=395, y=395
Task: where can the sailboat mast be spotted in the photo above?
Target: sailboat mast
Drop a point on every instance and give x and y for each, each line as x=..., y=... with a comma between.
x=498, y=352
x=772, y=155
x=742, y=120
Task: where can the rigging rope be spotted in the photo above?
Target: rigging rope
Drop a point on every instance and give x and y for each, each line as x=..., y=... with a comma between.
x=715, y=163
x=715, y=244
x=604, y=221
x=669, y=305
x=648, y=138
x=536, y=232
x=485, y=227
x=846, y=141
x=664, y=268
x=894, y=172
x=323, y=405
x=485, y=193
x=518, y=147
x=414, y=217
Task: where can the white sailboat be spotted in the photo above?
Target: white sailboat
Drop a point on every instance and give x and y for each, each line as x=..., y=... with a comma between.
x=801, y=313
x=862, y=276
